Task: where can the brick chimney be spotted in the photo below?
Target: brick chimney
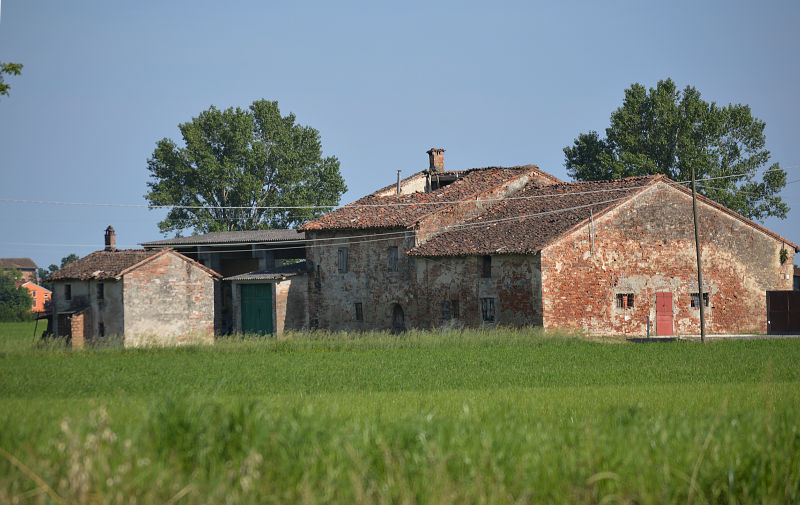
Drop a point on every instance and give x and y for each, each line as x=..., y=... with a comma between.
x=111, y=239
x=436, y=156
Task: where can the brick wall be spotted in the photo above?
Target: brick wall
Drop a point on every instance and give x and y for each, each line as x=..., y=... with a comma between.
x=645, y=246
x=168, y=301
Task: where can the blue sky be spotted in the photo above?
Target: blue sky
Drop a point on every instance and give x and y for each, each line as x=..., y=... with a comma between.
x=504, y=83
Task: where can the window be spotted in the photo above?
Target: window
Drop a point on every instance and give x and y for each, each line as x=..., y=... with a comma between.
x=101, y=329
x=449, y=310
x=359, y=312
x=67, y=291
x=101, y=291
x=487, y=310
x=624, y=300
x=342, y=259
x=393, y=253
x=318, y=279
x=694, y=300
x=487, y=267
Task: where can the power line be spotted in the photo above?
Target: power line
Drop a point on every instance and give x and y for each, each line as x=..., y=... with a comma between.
x=354, y=205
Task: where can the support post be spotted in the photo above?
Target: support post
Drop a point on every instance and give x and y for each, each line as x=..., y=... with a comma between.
x=699, y=267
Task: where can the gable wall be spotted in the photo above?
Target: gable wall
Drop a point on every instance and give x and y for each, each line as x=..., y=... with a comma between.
x=646, y=246
x=168, y=301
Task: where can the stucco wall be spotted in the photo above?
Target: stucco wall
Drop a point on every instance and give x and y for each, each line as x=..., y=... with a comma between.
x=107, y=311
x=646, y=246
x=168, y=301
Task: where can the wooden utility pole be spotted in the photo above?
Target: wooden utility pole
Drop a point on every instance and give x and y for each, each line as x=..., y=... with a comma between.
x=699, y=268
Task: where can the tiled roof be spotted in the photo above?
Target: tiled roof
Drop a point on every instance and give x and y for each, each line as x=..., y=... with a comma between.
x=18, y=263
x=405, y=210
x=102, y=265
x=230, y=237
x=530, y=220
x=280, y=272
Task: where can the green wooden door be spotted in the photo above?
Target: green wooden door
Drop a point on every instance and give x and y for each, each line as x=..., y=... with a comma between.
x=257, y=308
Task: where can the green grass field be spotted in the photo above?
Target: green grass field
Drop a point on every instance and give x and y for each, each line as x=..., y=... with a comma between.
x=501, y=416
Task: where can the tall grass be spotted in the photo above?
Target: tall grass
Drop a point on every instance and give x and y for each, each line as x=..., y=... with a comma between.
x=464, y=417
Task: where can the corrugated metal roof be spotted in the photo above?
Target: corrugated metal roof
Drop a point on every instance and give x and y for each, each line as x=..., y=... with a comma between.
x=272, y=274
x=230, y=237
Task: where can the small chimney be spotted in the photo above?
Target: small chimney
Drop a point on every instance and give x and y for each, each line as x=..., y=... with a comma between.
x=111, y=239
x=436, y=156
x=398, y=182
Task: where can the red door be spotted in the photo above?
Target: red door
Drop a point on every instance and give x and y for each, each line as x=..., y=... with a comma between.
x=664, y=314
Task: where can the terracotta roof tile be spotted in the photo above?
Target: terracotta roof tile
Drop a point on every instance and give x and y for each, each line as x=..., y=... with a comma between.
x=403, y=211
x=528, y=221
x=18, y=263
x=102, y=264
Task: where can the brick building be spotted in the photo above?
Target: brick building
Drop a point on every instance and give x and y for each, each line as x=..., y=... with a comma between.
x=25, y=265
x=138, y=297
x=515, y=246
x=40, y=296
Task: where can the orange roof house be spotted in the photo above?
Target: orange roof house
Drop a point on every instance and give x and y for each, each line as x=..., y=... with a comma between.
x=41, y=296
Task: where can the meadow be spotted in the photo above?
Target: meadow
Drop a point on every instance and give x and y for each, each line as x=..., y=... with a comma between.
x=502, y=416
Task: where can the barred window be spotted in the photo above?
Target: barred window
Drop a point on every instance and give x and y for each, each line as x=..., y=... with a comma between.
x=694, y=300
x=359, y=311
x=625, y=300
x=487, y=310
x=342, y=259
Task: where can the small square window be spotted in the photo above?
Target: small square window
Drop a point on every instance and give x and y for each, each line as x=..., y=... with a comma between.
x=101, y=291
x=694, y=300
x=624, y=300
x=393, y=258
x=342, y=260
x=487, y=310
x=359, y=312
x=67, y=291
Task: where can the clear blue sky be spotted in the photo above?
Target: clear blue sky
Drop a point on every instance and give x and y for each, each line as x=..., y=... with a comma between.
x=499, y=83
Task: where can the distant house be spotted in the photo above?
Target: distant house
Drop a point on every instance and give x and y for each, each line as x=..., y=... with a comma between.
x=40, y=295
x=136, y=296
x=234, y=253
x=515, y=246
x=24, y=265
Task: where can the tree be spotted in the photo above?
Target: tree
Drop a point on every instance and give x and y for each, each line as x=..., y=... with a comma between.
x=10, y=69
x=43, y=273
x=248, y=158
x=666, y=131
x=15, y=301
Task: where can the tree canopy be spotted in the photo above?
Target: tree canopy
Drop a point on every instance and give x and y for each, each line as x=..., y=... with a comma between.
x=248, y=158
x=43, y=273
x=10, y=69
x=15, y=301
x=668, y=131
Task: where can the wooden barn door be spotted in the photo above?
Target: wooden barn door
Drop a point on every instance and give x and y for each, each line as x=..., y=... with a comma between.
x=664, y=314
x=257, y=308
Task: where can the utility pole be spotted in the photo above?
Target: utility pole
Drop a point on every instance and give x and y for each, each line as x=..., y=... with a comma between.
x=699, y=268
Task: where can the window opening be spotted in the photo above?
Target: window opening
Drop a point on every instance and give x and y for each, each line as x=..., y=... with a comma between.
x=446, y=311
x=101, y=329
x=342, y=259
x=101, y=291
x=487, y=310
x=625, y=300
x=393, y=258
x=67, y=291
x=487, y=266
x=359, y=312
x=454, y=309
x=694, y=300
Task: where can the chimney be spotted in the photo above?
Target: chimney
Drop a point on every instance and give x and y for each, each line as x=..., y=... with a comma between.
x=398, y=182
x=437, y=159
x=111, y=239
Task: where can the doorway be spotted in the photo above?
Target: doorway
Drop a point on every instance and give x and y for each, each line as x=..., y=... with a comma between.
x=256, y=308
x=664, y=314
x=398, y=319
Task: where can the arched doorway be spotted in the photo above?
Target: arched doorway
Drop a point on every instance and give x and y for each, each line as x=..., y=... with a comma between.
x=398, y=319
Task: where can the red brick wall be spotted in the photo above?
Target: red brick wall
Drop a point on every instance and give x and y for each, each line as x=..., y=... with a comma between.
x=646, y=246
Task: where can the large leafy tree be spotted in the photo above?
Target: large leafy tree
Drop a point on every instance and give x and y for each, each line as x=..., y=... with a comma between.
x=248, y=158
x=668, y=131
x=15, y=301
x=10, y=69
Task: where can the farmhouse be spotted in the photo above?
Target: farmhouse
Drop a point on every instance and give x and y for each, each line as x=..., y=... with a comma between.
x=516, y=246
x=25, y=265
x=40, y=296
x=141, y=297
